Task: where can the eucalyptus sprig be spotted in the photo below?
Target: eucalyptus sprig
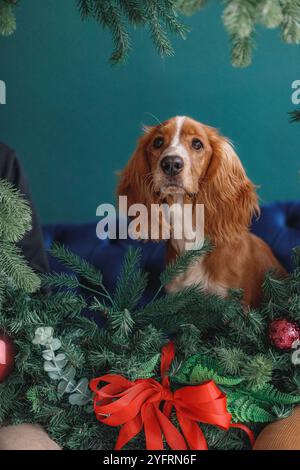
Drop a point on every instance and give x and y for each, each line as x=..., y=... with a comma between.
x=57, y=366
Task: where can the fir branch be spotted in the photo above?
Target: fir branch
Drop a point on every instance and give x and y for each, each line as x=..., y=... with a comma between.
x=190, y=7
x=258, y=371
x=122, y=324
x=290, y=27
x=131, y=283
x=15, y=215
x=7, y=18
x=158, y=34
x=275, y=288
x=167, y=14
x=133, y=11
x=76, y=264
x=15, y=267
x=218, y=439
x=294, y=115
x=85, y=8
x=239, y=17
x=241, y=52
x=148, y=340
x=182, y=263
x=110, y=15
x=60, y=280
x=230, y=359
x=270, y=13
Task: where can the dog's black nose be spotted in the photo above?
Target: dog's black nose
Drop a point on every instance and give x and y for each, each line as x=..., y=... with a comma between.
x=172, y=165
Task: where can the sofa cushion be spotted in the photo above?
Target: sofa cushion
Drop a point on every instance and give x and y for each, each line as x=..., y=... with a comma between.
x=278, y=225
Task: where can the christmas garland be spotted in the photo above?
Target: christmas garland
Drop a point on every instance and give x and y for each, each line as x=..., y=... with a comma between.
x=51, y=353
x=241, y=18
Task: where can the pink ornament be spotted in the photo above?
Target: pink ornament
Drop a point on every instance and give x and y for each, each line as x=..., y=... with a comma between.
x=283, y=333
x=7, y=354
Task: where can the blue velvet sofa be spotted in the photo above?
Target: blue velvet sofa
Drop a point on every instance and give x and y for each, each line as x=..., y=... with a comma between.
x=278, y=225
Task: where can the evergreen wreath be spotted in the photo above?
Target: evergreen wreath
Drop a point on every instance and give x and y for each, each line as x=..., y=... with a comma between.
x=241, y=19
x=58, y=350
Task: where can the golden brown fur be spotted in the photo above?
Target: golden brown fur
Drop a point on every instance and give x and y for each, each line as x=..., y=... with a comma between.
x=214, y=176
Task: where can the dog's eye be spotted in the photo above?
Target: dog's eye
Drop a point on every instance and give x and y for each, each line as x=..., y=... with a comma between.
x=197, y=144
x=158, y=142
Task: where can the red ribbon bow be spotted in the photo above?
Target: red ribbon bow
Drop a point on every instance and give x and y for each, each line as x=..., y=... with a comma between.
x=134, y=405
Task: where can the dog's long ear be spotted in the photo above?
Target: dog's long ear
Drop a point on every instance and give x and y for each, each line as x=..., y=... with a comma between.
x=135, y=179
x=229, y=197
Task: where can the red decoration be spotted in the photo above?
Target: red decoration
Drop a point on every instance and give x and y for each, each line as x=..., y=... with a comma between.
x=137, y=405
x=6, y=356
x=283, y=333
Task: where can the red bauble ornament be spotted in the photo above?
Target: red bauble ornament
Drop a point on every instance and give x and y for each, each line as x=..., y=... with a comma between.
x=7, y=353
x=283, y=333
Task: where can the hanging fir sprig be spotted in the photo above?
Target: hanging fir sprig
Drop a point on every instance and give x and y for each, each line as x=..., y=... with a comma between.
x=7, y=17
x=295, y=115
x=240, y=17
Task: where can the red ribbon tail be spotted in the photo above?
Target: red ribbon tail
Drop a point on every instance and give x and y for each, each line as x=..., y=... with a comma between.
x=128, y=431
x=192, y=433
x=173, y=437
x=152, y=428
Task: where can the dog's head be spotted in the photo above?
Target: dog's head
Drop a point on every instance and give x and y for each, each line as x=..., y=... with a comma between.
x=182, y=157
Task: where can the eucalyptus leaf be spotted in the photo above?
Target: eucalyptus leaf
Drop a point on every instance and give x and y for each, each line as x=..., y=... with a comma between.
x=54, y=375
x=82, y=385
x=48, y=355
x=55, y=344
x=65, y=387
x=62, y=387
x=61, y=364
x=69, y=373
x=50, y=367
x=78, y=399
x=60, y=357
x=43, y=335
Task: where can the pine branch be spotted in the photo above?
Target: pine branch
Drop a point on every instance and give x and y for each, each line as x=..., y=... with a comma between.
x=15, y=216
x=158, y=34
x=241, y=52
x=295, y=115
x=270, y=13
x=85, y=8
x=190, y=7
x=275, y=287
x=14, y=266
x=60, y=280
x=257, y=371
x=230, y=359
x=182, y=263
x=7, y=18
x=290, y=27
x=131, y=283
x=122, y=324
x=77, y=264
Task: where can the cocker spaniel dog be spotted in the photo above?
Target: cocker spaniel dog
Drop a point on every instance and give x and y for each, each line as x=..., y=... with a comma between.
x=182, y=159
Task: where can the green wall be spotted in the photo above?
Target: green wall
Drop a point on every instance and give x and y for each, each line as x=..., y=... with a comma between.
x=74, y=120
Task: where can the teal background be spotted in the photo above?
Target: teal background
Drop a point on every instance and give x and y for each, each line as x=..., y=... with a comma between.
x=74, y=119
